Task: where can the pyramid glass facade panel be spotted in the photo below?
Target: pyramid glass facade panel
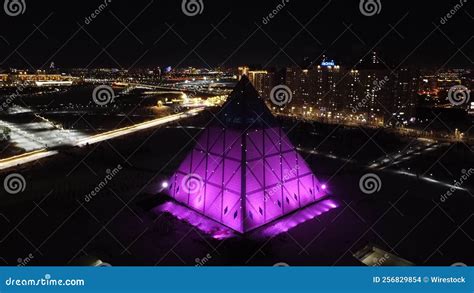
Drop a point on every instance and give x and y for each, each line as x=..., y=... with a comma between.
x=245, y=173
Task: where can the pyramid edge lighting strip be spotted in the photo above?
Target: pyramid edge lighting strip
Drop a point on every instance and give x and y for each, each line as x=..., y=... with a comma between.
x=200, y=177
x=219, y=231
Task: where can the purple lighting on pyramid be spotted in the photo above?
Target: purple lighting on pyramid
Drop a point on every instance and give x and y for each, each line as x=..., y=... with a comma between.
x=248, y=173
x=286, y=223
x=210, y=227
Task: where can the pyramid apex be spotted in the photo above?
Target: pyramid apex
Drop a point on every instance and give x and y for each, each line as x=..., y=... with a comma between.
x=245, y=108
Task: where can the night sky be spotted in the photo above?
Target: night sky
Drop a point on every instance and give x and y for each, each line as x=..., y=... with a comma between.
x=160, y=34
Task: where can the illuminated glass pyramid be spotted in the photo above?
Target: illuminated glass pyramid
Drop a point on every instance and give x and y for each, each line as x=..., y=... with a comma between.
x=244, y=172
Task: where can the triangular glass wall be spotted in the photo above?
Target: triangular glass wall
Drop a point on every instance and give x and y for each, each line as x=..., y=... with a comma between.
x=244, y=172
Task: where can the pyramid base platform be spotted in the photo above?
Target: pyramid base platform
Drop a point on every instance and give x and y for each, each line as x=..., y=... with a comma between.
x=271, y=229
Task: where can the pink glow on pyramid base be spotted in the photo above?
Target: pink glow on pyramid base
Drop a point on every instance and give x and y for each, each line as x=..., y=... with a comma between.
x=219, y=231
x=290, y=221
x=203, y=224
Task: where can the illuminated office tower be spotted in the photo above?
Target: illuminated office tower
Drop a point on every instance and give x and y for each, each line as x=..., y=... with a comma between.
x=262, y=80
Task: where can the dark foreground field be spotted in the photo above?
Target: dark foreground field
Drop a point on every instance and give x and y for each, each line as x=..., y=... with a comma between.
x=51, y=223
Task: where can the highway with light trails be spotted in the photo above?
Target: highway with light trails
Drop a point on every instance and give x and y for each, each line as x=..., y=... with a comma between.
x=48, y=152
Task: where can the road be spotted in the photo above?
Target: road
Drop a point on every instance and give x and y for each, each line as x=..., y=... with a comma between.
x=44, y=153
